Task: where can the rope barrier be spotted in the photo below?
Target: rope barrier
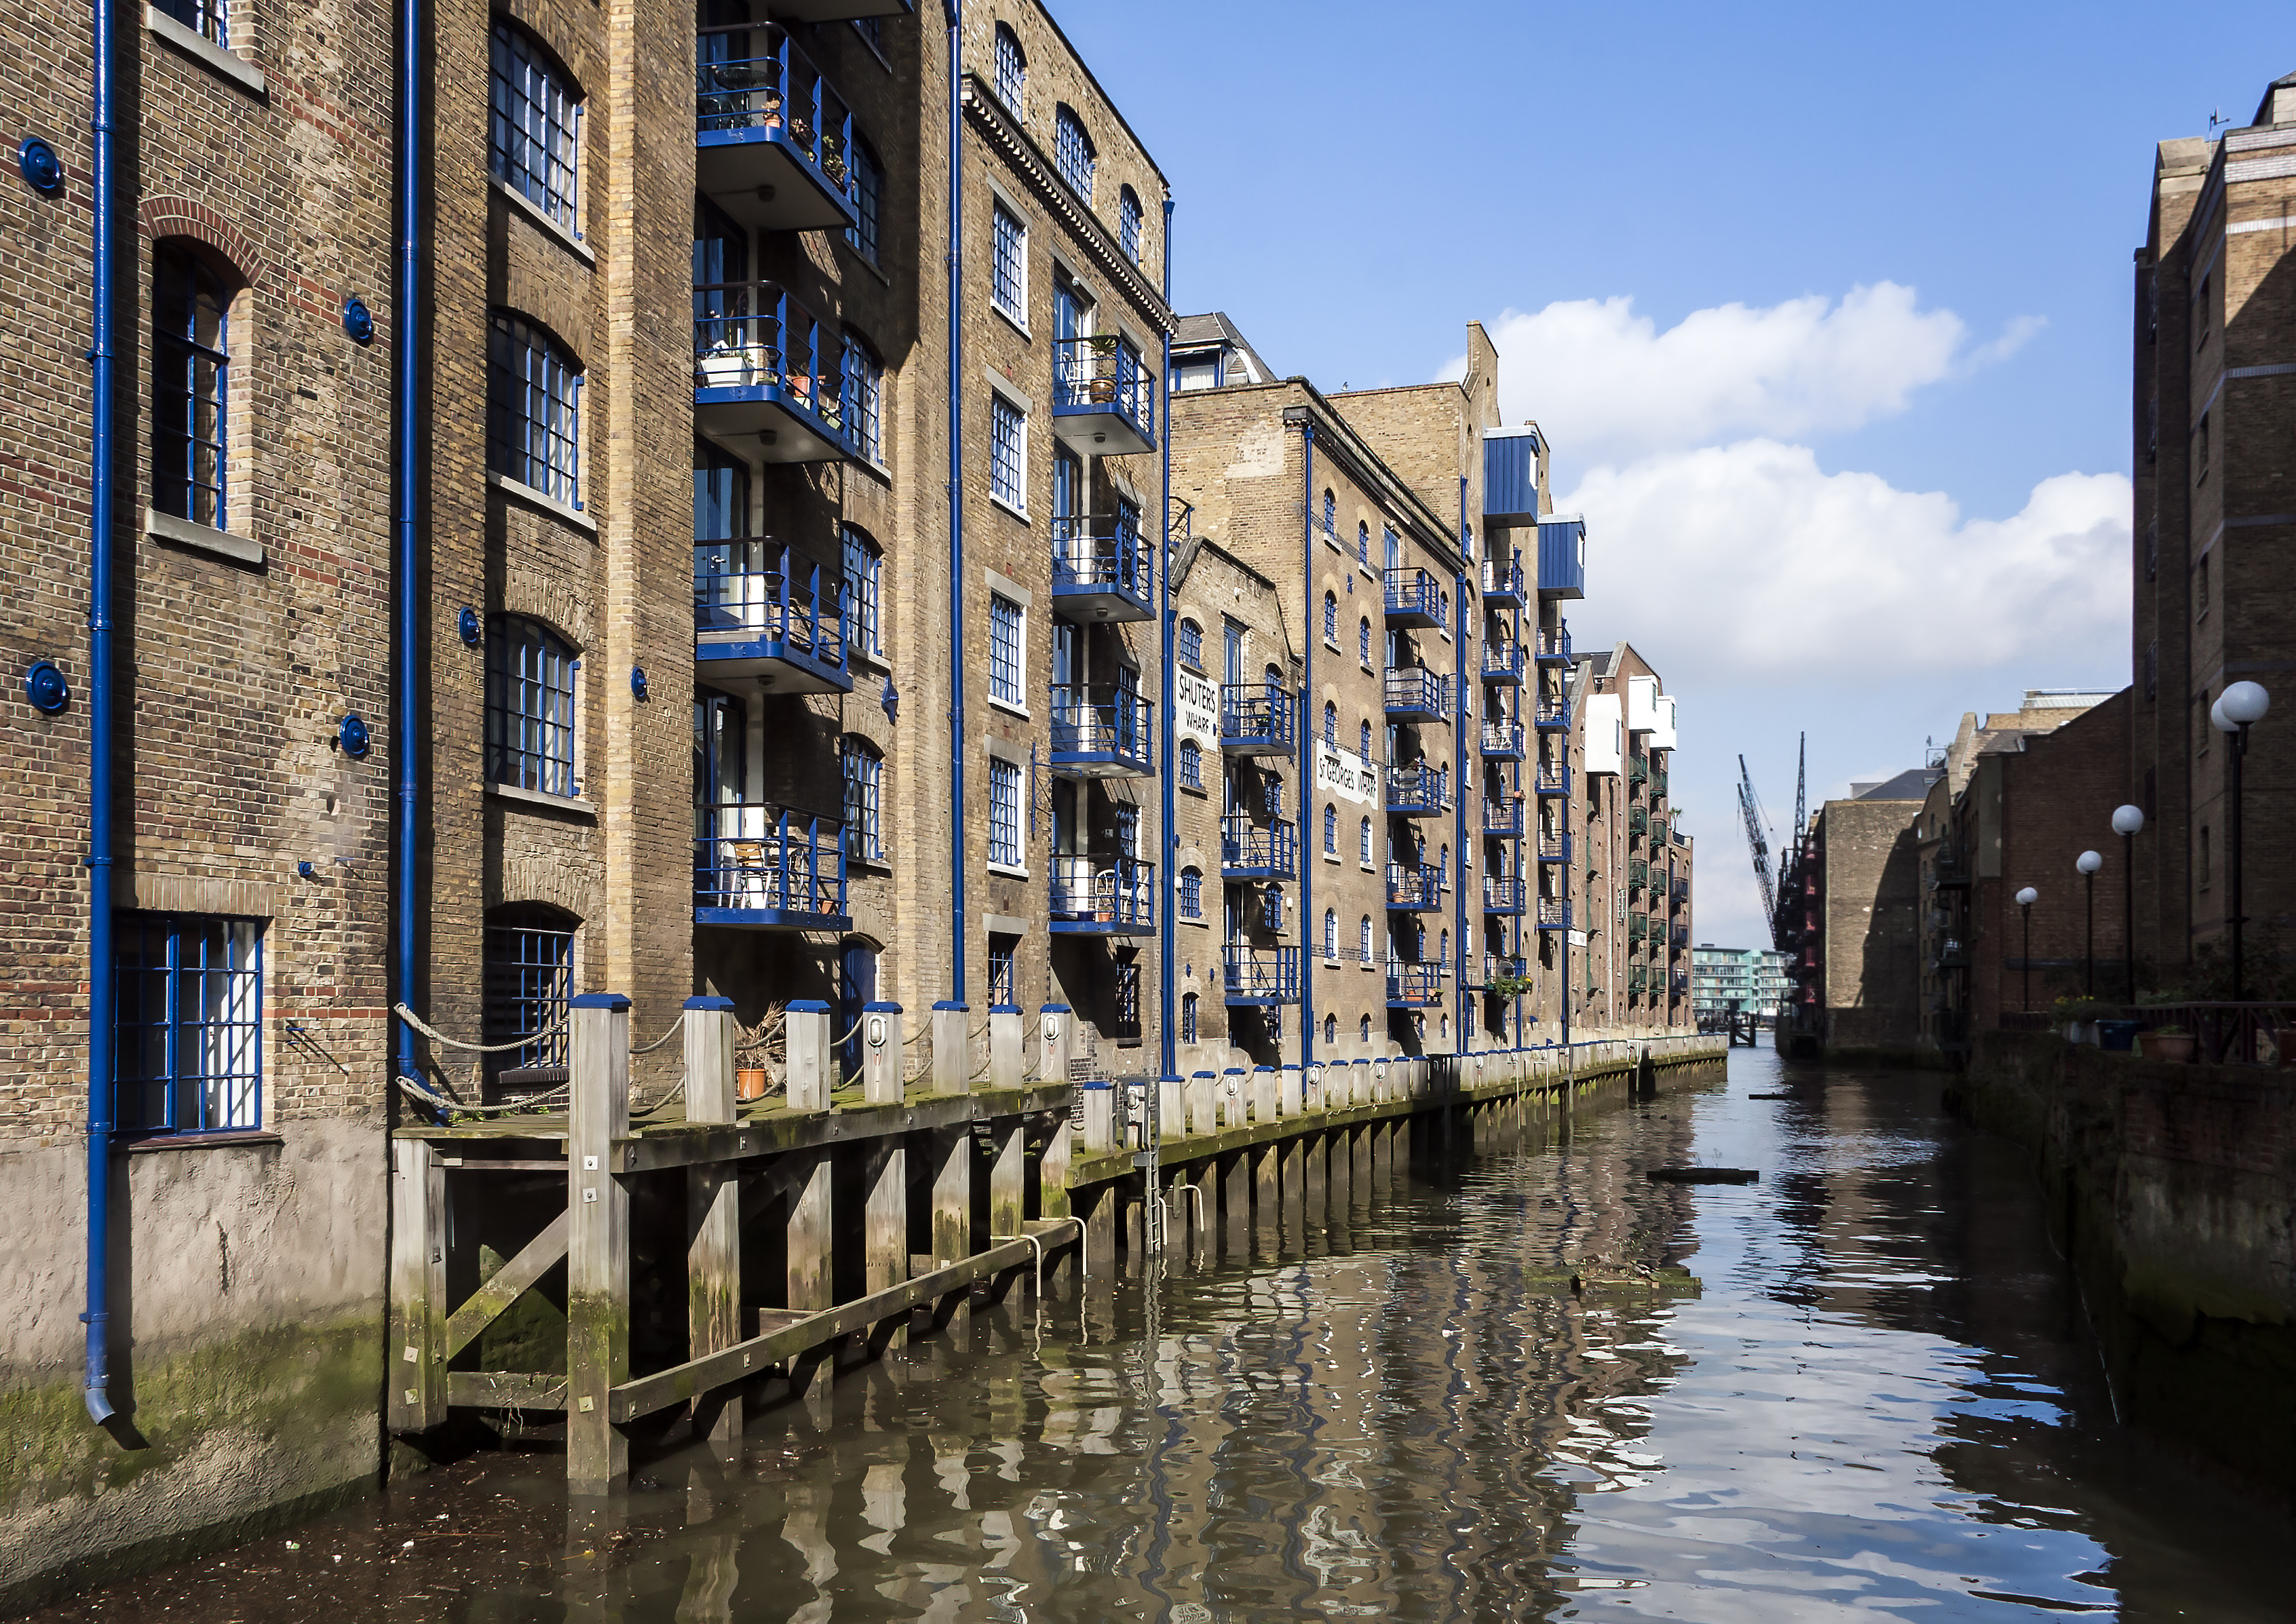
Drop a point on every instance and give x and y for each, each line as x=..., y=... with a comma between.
x=649, y=1048
x=442, y=1102
x=435, y=1036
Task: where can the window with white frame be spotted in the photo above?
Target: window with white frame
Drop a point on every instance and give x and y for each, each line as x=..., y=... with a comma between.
x=1128, y=217
x=530, y=145
x=864, y=790
x=529, y=706
x=187, y=1023
x=1011, y=70
x=1006, y=621
x=1073, y=154
x=1008, y=452
x=1004, y=812
x=1008, y=264
x=190, y=386
x=534, y=418
x=865, y=576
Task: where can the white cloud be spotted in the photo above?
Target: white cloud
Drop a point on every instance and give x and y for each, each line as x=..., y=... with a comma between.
x=1608, y=385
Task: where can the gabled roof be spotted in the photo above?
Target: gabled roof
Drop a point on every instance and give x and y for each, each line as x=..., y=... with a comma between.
x=1213, y=327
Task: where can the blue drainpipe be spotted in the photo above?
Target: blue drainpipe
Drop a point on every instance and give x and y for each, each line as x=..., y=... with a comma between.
x=954, y=11
x=1167, y=994
x=102, y=976
x=1459, y=777
x=1308, y=625
x=407, y=375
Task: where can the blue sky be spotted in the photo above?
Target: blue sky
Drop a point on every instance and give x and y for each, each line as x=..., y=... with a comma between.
x=1889, y=486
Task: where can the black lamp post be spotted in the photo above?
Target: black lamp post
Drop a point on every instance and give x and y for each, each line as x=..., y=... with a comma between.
x=2026, y=899
x=2126, y=821
x=2088, y=863
x=2239, y=705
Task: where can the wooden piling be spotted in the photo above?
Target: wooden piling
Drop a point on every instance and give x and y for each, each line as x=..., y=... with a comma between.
x=418, y=1287
x=713, y=1208
x=598, y=1242
x=885, y=1258
x=882, y=1056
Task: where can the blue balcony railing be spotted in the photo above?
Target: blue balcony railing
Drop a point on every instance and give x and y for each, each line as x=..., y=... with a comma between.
x=1551, y=778
x=1102, y=732
x=1552, y=648
x=1502, y=581
x=1103, y=896
x=1413, y=597
x=1413, y=888
x=1503, y=662
x=1415, y=693
x=1257, y=720
x=1554, y=846
x=1503, y=819
x=1102, y=569
x=1503, y=739
x=1503, y=966
x=1553, y=913
x=1418, y=791
x=1411, y=986
x=1504, y=894
x=1104, y=396
x=1552, y=714
x=766, y=609
x=773, y=140
x=770, y=372
x=768, y=867
x=1253, y=851
x=1260, y=975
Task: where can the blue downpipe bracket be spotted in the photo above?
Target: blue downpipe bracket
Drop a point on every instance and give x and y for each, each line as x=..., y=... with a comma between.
x=45, y=687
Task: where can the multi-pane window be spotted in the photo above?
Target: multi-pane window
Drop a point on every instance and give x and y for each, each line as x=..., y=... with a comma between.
x=211, y=19
x=534, y=422
x=1008, y=264
x=1127, y=224
x=1192, y=764
x=1012, y=69
x=1331, y=618
x=1363, y=939
x=529, y=706
x=530, y=143
x=1363, y=739
x=1073, y=152
x=868, y=192
x=1363, y=1025
x=1005, y=812
x=1128, y=999
x=864, y=394
x=1362, y=641
x=1362, y=844
x=1331, y=725
x=191, y=387
x=1191, y=644
x=1188, y=1017
x=1331, y=517
x=1005, y=624
x=865, y=800
x=1331, y=1029
x=188, y=1027
x=1332, y=830
x=527, y=981
x=1008, y=465
x=1004, y=969
x=865, y=576
x=1363, y=544
x=1271, y=909
x=1192, y=893
x=1331, y=934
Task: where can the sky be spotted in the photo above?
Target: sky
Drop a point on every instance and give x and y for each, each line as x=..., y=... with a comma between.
x=1826, y=311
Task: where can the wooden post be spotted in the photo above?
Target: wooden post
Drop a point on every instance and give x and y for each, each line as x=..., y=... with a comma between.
x=1315, y=1185
x=1099, y=1115
x=418, y=1287
x=1005, y=1059
x=1235, y=1104
x=881, y=1054
x=1289, y=1102
x=1236, y=1202
x=1055, y=1041
x=713, y=1217
x=1099, y=1231
x=806, y=1037
x=598, y=1242
x=952, y=1052
x=885, y=1259
x=1203, y=1089
x=1267, y=1190
x=952, y=1208
x=808, y=1281
x=1263, y=1094
x=1008, y=1173
x=1053, y=1167
x=1171, y=1110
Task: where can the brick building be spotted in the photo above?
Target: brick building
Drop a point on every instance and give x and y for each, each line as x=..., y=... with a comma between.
x=1632, y=938
x=1861, y=879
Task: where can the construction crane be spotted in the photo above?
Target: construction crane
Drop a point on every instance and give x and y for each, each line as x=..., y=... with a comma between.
x=1750, y=808
x=1789, y=862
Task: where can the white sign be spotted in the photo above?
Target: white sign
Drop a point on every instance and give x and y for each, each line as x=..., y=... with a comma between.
x=1195, y=709
x=1345, y=774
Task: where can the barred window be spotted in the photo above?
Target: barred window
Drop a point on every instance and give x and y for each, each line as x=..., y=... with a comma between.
x=1005, y=812
x=211, y=19
x=1363, y=544
x=1332, y=830
x=864, y=395
x=1012, y=69
x=1008, y=264
x=864, y=574
x=1073, y=152
x=868, y=190
x=1271, y=909
x=528, y=977
x=188, y=1026
x=1331, y=516
x=1127, y=223
x=190, y=386
x=530, y=144
x=1331, y=618
x=1004, y=623
x=1191, y=644
x=1192, y=893
x=1188, y=1017
x=529, y=706
x=1331, y=933
x=1331, y=725
x=1363, y=739
x=1007, y=453
x=534, y=406
x=1362, y=844
x=1004, y=976
x=1363, y=647
x=1127, y=1023
x=1192, y=764
x=864, y=786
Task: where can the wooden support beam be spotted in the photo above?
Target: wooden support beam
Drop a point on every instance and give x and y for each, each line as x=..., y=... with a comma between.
x=881, y=1055
x=713, y=1217
x=506, y=1389
x=598, y=1242
x=952, y=1049
x=1052, y=1166
x=1006, y=1058
x=535, y=1259
x=1008, y=1176
x=806, y=1040
x=418, y=1387
x=886, y=1220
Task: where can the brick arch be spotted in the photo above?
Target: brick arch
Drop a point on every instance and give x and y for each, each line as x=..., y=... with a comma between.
x=569, y=881
x=180, y=217
x=527, y=591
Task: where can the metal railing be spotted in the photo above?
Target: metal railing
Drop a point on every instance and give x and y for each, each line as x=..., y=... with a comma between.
x=1418, y=790
x=1553, y=913
x=1502, y=738
x=1503, y=662
x=1270, y=851
x=1555, y=846
x=1413, y=593
x=1503, y=966
x=753, y=75
x=1090, y=719
x=1553, y=645
x=1552, y=712
x=754, y=335
x=1270, y=974
x=1252, y=713
x=760, y=857
x=1551, y=778
x=765, y=593
x=1102, y=553
x=1504, y=893
x=1503, y=818
x=1414, y=886
x=1412, y=983
x=1502, y=579
x=1104, y=370
x=1118, y=892
x=1417, y=689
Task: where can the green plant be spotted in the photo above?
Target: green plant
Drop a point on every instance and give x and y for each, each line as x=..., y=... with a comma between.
x=2073, y=1008
x=1506, y=986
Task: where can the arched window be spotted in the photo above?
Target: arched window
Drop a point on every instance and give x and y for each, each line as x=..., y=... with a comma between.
x=868, y=192
x=1331, y=618
x=1362, y=844
x=1444, y=618
x=1446, y=871
x=1363, y=1030
x=529, y=743
x=1188, y=1017
x=1073, y=154
x=1331, y=1030
x=864, y=572
x=1127, y=223
x=1443, y=957
x=534, y=406
x=1012, y=69
x=1363, y=544
x=1363, y=643
x=1331, y=933
x=190, y=386
x=527, y=980
x=1192, y=893
x=1363, y=939
x=1446, y=1028
x=864, y=787
x=1331, y=725
x=1330, y=830
x=864, y=397
x=1190, y=645
x=1192, y=764
x=530, y=144
x=1363, y=739
x=1331, y=516
x=1271, y=909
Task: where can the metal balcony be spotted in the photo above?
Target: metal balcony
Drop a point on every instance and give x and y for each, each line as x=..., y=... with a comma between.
x=1637, y=820
x=769, y=613
x=1256, y=720
x=1552, y=648
x=1503, y=663
x=1949, y=873
x=1554, y=847
x=1413, y=888
x=1502, y=584
x=1413, y=597
x=1637, y=874
x=1251, y=851
x=1103, y=896
x=1553, y=715
x=1551, y=778
x=1658, y=832
x=1562, y=557
x=767, y=378
x=1413, y=986
x=1418, y=791
x=765, y=867
x=1503, y=819
x=1104, y=396
x=1504, y=894
x=1502, y=740
x=772, y=140
x=1102, y=732
x=1637, y=926
x=1102, y=571
x=1638, y=978
x=1504, y=966
x=1260, y=975
x=1658, y=780
x=1553, y=913
x=1414, y=694
x=1638, y=769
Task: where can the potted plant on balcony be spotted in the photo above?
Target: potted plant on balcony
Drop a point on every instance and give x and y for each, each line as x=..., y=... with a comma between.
x=2172, y=1043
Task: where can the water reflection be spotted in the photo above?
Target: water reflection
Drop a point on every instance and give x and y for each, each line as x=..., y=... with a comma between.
x=1391, y=1403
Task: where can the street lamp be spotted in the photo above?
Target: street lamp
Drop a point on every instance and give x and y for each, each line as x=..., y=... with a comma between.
x=2088, y=863
x=2241, y=704
x=2026, y=899
x=2127, y=821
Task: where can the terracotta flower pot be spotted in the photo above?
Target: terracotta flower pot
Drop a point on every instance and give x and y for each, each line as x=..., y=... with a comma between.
x=2175, y=1047
x=750, y=1082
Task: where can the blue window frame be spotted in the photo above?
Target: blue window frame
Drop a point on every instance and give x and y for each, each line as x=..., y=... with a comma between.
x=1012, y=69
x=864, y=772
x=1192, y=893
x=1127, y=223
x=1073, y=154
x=191, y=387
x=1331, y=518
x=1331, y=618
x=1363, y=937
x=528, y=979
x=1192, y=764
x=1008, y=264
x=865, y=575
x=529, y=706
x=1127, y=1023
x=1271, y=909
x=1363, y=644
x=1188, y=1017
x=868, y=192
x=1004, y=623
x=1331, y=934
x=534, y=416
x=530, y=144
x=1004, y=969
x=188, y=1027
x=1332, y=830
x=1007, y=465
x=864, y=393
x=211, y=19
x=1190, y=645
x=1005, y=812
x=1331, y=725
x=1363, y=740
x=1363, y=543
